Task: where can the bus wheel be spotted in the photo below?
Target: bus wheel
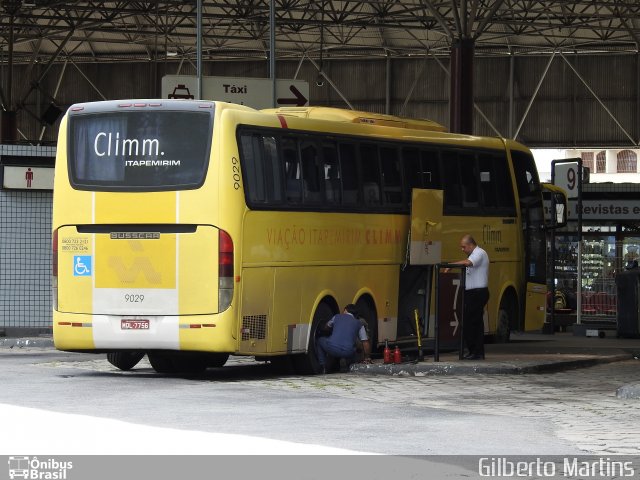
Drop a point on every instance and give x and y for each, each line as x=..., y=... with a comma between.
x=368, y=313
x=178, y=362
x=307, y=364
x=191, y=362
x=217, y=360
x=281, y=364
x=506, y=317
x=124, y=360
x=161, y=363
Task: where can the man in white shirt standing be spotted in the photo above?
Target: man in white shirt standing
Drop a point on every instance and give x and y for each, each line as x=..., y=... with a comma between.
x=476, y=296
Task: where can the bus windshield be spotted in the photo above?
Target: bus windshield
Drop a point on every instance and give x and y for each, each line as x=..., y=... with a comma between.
x=139, y=150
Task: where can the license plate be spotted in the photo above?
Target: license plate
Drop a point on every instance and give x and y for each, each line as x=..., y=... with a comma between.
x=134, y=324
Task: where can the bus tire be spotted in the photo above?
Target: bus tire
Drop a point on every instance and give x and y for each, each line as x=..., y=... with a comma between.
x=281, y=364
x=178, y=362
x=367, y=311
x=217, y=360
x=124, y=360
x=189, y=362
x=506, y=318
x=307, y=364
x=161, y=363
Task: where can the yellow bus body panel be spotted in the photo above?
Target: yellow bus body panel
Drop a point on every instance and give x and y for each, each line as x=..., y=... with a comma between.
x=292, y=260
x=76, y=335
x=536, y=302
x=126, y=207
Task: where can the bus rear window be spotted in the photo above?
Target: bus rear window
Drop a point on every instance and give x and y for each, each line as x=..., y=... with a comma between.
x=139, y=150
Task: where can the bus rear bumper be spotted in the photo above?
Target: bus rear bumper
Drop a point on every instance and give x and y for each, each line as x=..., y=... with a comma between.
x=203, y=333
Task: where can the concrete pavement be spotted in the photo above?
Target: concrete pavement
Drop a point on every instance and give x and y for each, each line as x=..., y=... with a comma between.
x=591, y=409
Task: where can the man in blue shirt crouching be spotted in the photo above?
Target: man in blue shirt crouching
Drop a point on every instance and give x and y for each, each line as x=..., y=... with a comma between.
x=347, y=329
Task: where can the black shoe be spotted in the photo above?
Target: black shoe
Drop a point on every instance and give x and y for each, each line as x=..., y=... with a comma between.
x=344, y=367
x=474, y=357
x=469, y=356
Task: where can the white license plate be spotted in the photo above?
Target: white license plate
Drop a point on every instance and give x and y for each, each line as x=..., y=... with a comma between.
x=134, y=324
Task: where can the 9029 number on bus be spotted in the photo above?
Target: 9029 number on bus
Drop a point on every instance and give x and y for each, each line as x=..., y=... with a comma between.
x=133, y=298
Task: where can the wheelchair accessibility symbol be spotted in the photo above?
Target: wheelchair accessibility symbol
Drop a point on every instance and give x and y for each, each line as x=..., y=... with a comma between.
x=82, y=266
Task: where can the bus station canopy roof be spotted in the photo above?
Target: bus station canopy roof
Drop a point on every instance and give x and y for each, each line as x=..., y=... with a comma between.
x=92, y=30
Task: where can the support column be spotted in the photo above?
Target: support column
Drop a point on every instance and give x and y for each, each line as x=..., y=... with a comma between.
x=9, y=117
x=512, y=69
x=199, y=47
x=461, y=92
x=387, y=90
x=272, y=52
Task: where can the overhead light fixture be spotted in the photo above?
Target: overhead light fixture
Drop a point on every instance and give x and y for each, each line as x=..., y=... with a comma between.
x=29, y=3
x=171, y=54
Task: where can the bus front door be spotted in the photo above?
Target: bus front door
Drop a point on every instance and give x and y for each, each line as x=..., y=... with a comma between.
x=535, y=267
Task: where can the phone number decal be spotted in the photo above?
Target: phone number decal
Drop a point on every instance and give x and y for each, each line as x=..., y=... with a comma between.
x=75, y=245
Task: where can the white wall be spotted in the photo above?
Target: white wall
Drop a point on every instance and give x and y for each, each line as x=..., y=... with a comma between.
x=543, y=158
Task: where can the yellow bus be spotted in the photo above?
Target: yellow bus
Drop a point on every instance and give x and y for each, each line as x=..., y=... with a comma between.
x=195, y=230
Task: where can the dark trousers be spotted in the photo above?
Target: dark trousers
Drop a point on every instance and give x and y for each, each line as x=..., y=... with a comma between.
x=474, y=301
x=325, y=348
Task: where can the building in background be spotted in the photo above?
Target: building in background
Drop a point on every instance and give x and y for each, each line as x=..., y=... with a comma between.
x=605, y=165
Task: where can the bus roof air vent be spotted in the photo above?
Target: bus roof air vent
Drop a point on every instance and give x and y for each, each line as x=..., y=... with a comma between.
x=354, y=116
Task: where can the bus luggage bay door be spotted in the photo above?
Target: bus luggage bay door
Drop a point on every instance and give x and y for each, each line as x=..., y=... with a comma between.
x=425, y=251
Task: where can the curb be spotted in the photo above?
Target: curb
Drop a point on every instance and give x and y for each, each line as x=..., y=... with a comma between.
x=490, y=368
x=21, y=343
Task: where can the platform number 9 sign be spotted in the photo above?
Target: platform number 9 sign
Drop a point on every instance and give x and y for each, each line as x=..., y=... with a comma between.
x=566, y=176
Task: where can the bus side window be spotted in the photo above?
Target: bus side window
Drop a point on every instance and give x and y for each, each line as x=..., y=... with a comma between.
x=311, y=176
x=431, y=169
x=391, y=176
x=331, y=170
x=349, y=174
x=272, y=171
x=497, y=197
x=469, y=180
x=451, y=182
x=526, y=174
x=488, y=186
x=505, y=197
x=370, y=168
x=412, y=169
x=292, y=171
x=529, y=189
x=252, y=163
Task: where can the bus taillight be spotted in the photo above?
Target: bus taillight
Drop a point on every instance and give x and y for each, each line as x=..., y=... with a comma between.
x=225, y=270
